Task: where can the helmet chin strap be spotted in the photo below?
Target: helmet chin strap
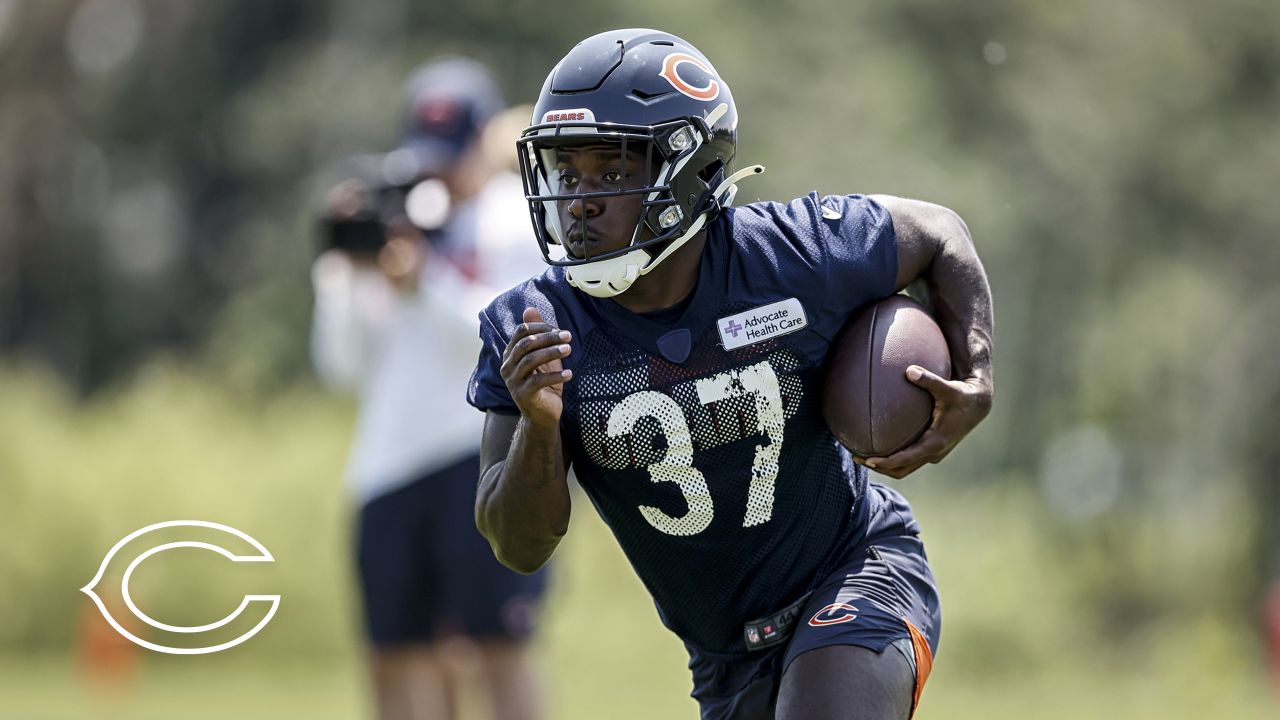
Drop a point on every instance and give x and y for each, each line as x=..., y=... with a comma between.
x=612, y=277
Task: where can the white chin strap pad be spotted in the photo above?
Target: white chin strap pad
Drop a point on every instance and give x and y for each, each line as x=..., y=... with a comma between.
x=607, y=278
x=612, y=277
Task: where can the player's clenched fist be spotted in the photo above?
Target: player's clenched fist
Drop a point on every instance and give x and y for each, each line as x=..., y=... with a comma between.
x=532, y=369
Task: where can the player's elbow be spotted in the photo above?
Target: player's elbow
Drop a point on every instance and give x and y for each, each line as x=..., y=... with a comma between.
x=950, y=237
x=514, y=549
x=523, y=556
x=957, y=229
x=522, y=553
x=525, y=564
x=943, y=224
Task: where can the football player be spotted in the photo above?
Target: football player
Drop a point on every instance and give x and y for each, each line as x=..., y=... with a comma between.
x=672, y=356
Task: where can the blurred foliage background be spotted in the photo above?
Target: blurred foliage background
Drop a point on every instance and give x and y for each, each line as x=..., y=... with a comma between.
x=1104, y=542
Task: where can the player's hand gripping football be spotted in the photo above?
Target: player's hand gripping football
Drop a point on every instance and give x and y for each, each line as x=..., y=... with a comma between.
x=532, y=369
x=958, y=407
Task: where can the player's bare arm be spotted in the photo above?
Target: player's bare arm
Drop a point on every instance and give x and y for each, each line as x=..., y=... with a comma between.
x=522, y=503
x=934, y=246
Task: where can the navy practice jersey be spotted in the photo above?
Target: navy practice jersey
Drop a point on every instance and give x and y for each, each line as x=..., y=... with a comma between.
x=700, y=438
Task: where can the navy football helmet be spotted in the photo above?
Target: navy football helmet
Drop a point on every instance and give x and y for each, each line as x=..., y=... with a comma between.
x=641, y=90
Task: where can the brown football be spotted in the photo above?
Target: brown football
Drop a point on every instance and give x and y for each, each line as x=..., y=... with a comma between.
x=869, y=404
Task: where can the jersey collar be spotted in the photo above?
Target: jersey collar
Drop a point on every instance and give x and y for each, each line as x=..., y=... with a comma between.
x=674, y=342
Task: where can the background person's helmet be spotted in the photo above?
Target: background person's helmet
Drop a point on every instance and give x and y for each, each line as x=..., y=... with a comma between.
x=448, y=102
x=642, y=90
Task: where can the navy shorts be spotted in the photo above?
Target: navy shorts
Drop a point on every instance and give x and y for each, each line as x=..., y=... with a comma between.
x=882, y=598
x=427, y=573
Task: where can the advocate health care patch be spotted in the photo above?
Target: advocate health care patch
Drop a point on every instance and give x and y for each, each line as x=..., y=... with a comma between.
x=762, y=323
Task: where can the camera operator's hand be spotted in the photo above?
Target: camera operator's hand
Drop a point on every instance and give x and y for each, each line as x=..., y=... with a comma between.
x=403, y=257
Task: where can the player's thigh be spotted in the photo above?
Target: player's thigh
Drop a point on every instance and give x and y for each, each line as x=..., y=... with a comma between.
x=847, y=682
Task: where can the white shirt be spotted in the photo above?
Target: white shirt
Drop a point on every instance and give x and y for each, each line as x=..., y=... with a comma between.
x=409, y=356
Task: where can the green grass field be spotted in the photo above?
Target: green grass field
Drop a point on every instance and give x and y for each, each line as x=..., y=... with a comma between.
x=1025, y=634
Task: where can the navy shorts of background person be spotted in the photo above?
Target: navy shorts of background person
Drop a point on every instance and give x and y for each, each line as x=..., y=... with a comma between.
x=672, y=356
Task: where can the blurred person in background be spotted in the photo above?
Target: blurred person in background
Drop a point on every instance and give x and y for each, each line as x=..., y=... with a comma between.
x=417, y=244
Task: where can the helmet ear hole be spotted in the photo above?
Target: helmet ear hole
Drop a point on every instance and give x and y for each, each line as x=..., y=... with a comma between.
x=712, y=173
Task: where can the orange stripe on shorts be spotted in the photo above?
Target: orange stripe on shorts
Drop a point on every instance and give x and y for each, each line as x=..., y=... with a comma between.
x=924, y=661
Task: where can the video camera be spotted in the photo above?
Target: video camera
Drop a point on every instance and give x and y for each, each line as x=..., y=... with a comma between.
x=362, y=211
